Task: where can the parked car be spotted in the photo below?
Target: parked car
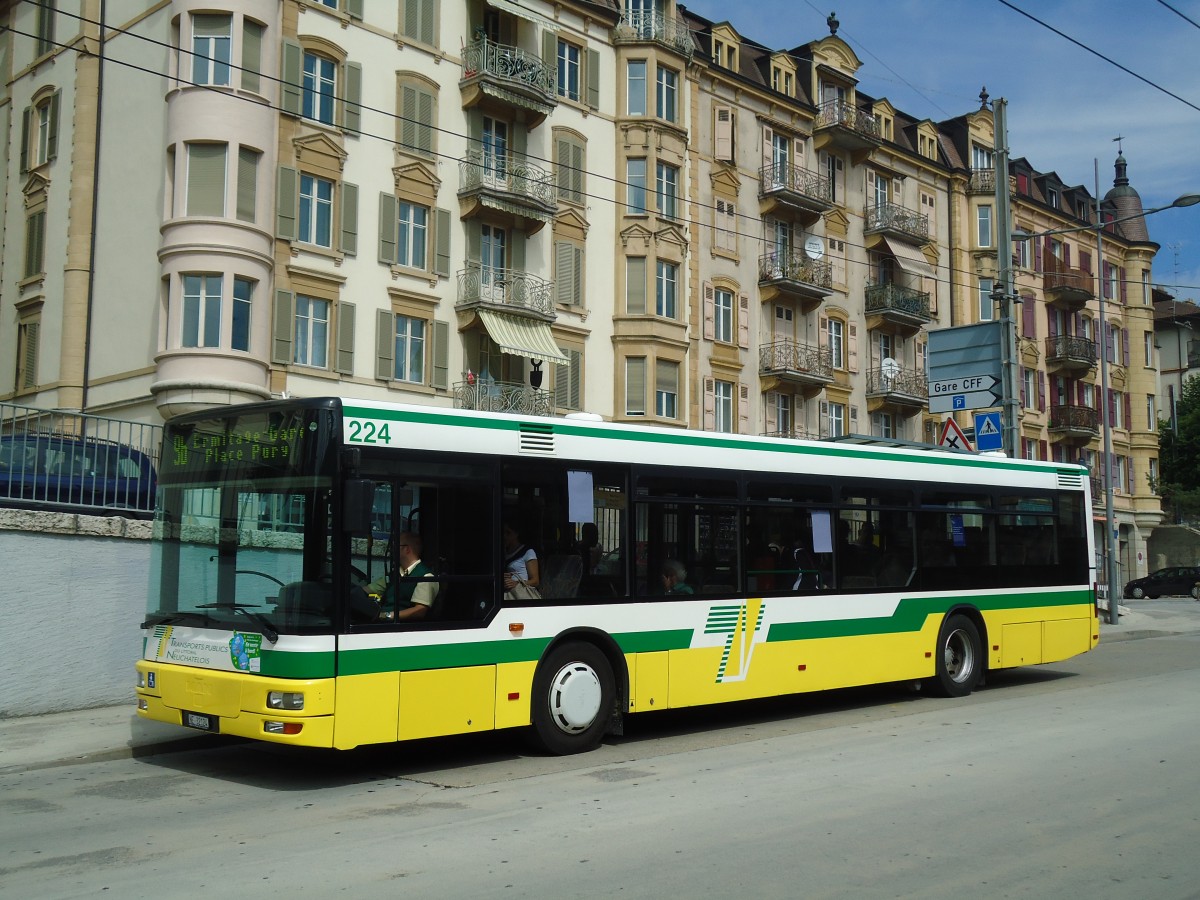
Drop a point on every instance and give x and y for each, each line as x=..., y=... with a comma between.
x=1172, y=581
x=67, y=470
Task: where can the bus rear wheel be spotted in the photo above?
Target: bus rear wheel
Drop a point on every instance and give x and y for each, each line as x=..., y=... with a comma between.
x=572, y=699
x=959, y=657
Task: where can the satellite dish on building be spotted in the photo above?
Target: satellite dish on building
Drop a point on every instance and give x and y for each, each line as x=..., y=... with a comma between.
x=890, y=369
x=814, y=248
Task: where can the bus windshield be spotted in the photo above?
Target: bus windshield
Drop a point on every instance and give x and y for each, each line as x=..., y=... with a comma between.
x=243, y=533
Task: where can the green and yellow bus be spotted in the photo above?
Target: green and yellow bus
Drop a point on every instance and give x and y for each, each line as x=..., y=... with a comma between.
x=794, y=566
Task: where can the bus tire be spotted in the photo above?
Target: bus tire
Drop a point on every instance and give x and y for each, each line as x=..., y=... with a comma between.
x=573, y=692
x=958, y=657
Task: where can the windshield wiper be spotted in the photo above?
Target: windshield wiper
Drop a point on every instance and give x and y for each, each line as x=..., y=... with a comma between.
x=264, y=624
x=176, y=617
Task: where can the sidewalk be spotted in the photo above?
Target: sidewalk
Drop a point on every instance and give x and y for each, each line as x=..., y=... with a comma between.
x=115, y=732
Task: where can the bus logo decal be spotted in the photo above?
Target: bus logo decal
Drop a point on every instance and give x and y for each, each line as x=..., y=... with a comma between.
x=162, y=633
x=739, y=624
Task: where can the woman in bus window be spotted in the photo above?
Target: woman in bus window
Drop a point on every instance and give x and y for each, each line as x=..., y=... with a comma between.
x=521, y=571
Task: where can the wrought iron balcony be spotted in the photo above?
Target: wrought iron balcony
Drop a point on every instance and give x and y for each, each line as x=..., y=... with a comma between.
x=893, y=220
x=508, y=290
x=509, y=76
x=796, y=188
x=794, y=275
x=1068, y=289
x=508, y=182
x=504, y=397
x=898, y=305
x=1074, y=421
x=647, y=26
x=793, y=434
x=897, y=386
x=796, y=362
x=1070, y=352
x=983, y=181
x=843, y=124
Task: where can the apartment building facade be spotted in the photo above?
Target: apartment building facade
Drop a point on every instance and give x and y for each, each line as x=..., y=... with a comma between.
x=613, y=207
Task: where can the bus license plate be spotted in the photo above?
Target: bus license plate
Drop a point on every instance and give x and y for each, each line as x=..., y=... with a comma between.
x=202, y=721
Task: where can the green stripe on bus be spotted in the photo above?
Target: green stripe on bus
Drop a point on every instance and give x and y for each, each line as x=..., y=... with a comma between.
x=297, y=665
x=702, y=439
x=912, y=612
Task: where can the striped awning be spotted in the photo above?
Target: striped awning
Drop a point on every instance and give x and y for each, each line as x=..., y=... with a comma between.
x=910, y=259
x=527, y=14
x=518, y=336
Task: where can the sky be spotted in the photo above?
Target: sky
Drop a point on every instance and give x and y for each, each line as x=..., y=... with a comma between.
x=1065, y=105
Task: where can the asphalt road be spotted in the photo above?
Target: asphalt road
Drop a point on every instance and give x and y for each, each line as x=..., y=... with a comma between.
x=1074, y=780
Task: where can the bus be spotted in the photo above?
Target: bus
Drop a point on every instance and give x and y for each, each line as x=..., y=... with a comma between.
x=675, y=568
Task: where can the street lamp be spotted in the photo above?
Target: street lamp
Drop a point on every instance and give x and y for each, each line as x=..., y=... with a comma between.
x=1110, y=523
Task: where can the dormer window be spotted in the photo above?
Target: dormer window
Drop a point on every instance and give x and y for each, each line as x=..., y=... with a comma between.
x=782, y=81
x=724, y=54
x=1052, y=197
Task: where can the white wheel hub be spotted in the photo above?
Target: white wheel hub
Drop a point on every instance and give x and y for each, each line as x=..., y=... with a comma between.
x=575, y=697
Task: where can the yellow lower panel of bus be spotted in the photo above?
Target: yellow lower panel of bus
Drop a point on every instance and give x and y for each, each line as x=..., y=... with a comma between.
x=367, y=709
x=715, y=675
x=1030, y=637
x=227, y=694
x=514, y=691
x=447, y=701
x=649, y=681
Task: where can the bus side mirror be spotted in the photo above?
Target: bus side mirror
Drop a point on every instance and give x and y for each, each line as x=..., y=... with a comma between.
x=359, y=499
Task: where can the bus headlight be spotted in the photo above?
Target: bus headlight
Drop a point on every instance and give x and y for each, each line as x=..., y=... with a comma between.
x=285, y=700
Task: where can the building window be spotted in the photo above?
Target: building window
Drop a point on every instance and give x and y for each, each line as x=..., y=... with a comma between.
x=723, y=406
x=723, y=315
x=247, y=184
x=312, y=332
x=1151, y=413
x=45, y=26
x=568, y=70
x=635, y=285
x=418, y=107
x=635, y=83
x=1148, y=340
x=410, y=350
x=986, y=304
x=35, y=244
x=571, y=164
x=725, y=225
x=243, y=294
x=320, y=87
x=206, y=179
x=202, y=310
x=635, y=386
x=984, y=231
x=666, y=390
x=1029, y=388
x=635, y=186
x=665, y=290
x=835, y=330
x=412, y=230
x=212, y=41
x=981, y=157
x=666, y=187
x=664, y=106
x=28, y=333
x=40, y=140
x=316, y=211
x=836, y=420
x=1022, y=249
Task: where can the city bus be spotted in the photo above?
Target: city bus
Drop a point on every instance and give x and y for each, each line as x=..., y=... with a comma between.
x=675, y=568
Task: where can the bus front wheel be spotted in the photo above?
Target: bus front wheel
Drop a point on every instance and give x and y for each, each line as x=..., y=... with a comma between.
x=959, y=657
x=572, y=699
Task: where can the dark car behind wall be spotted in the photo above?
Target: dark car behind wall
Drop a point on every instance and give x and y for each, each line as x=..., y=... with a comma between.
x=63, y=470
x=1173, y=581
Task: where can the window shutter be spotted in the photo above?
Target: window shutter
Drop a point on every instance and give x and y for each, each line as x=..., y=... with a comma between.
x=550, y=50
x=385, y=344
x=206, y=179
x=345, y=338
x=1085, y=261
x=635, y=386
x=26, y=119
x=52, y=132
x=252, y=35
x=440, y=378
x=852, y=347
x=709, y=311
x=710, y=404
x=853, y=419
x=771, y=415
x=408, y=117
x=291, y=87
x=352, y=101
x=284, y=327
x=823, y=332
x=425, y=117
x=743, y=408
x=1051, y=322
x=635, y=288
x=286, y=199
x=1128, y=423
x=388, y=213
x=577, y=172
x=567, y=381
x=349, y=219
x=247, y=184
x=593, y=79
x=1121, y=282
x=354, y=8
x=1037, y=256
x=723, y=147
x=441, y=262
x=1124, y=346
x=1028, y=317
x=35, y=234
x=29, y=363
x=564, y=273
x=767, y=138
x=823, y=415
x=743, y=323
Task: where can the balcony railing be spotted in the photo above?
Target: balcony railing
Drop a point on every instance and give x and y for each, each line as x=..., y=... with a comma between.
x=519, y=68
x=504, y=397
x=983, y=181
x=885, y=299
x=1072, y=287
x=1066, y=348
x=896, y=380
x=847, y=115
x=782, y=178
x=796, y=266
x=507, y=173
x=897, y=219
x=645, y=25
x=510, y=289
x=793, y=434
x=1075, y=419
x=796, y=358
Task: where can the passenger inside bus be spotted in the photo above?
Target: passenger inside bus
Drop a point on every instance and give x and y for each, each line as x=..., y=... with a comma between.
x=674, y=578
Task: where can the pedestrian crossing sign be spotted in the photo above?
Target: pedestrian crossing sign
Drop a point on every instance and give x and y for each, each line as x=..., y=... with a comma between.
x=987, y=432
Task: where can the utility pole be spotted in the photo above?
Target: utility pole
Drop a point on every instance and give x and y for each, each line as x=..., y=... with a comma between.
x=1003, y=288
